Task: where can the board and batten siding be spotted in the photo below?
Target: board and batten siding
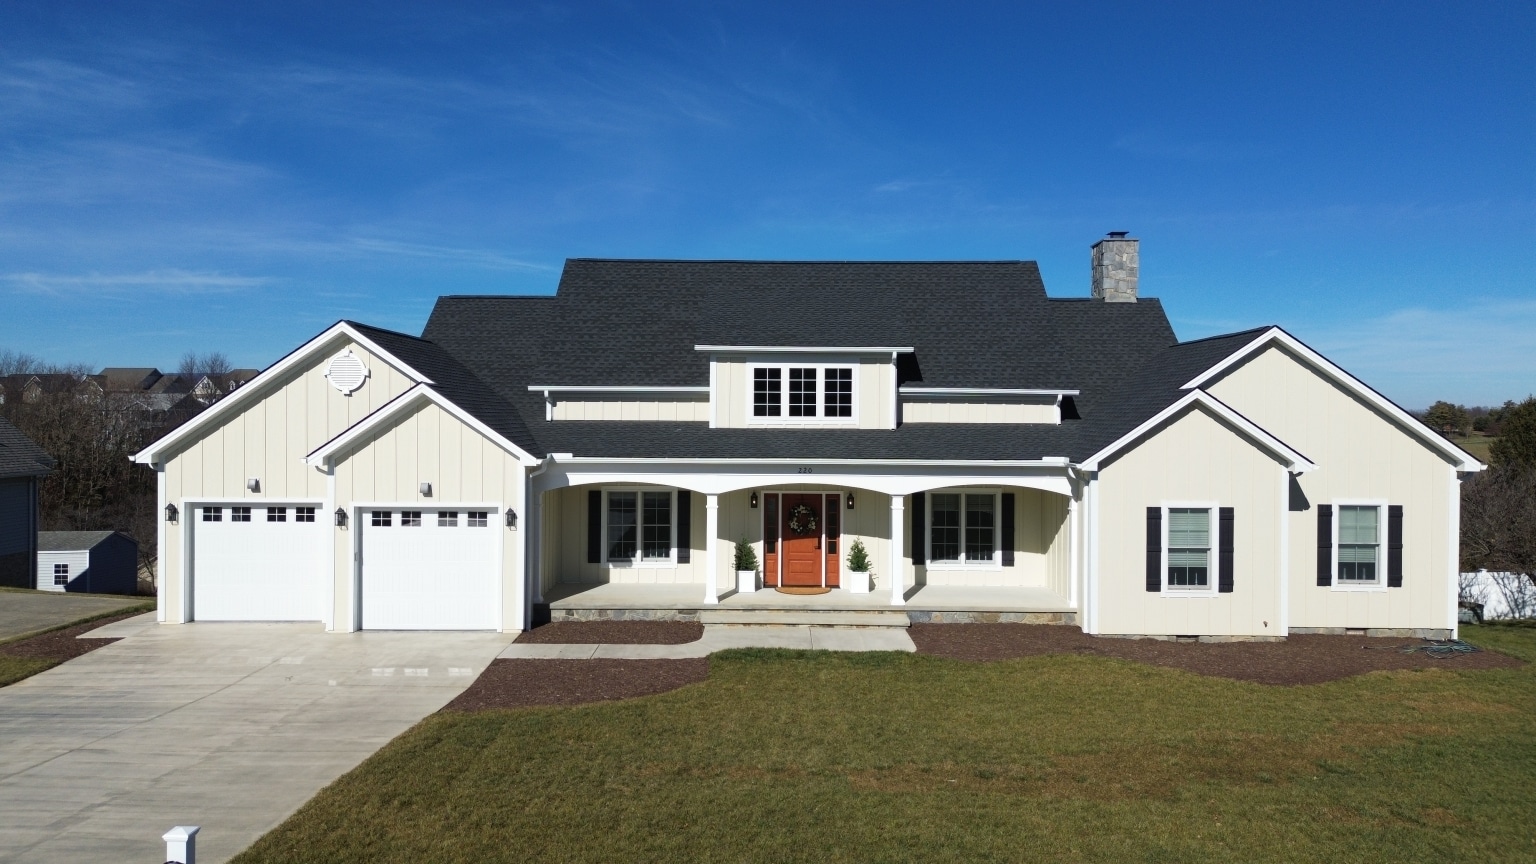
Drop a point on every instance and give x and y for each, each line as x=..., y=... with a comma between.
x=1361, y=454
x=923, y=411
x=874, y=383
x=430, y=445
x=1193, y=458
x=1040, y=543
x=268, y=439
x=668, y=410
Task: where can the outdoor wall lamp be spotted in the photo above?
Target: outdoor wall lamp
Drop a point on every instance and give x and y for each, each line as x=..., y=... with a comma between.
x=850, y=500
x=253, y=484
x=752, y=502
x=170, y=512
x=426, y=490
x=511, y=518
x=341, y=518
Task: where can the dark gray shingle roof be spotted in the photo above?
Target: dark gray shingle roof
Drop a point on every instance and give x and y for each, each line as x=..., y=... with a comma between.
x=19, y=456
x=72, y=541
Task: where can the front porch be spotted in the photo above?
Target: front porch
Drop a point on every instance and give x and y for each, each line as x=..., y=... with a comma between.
x=924, y=604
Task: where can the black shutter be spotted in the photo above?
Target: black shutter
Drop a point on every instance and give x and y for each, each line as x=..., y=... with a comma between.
x=919, y=538
x=1224, y=545
x=684, y=526
x=1007, y=529
x=1394, y=545
x=1324, y=545
x=1154, y=549
x=594, y=526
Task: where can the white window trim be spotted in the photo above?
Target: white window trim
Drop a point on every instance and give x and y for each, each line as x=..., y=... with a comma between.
x=997, y=538
x=784, y=419
x=638, y=563
x=1213, y=565
x=1380, y=585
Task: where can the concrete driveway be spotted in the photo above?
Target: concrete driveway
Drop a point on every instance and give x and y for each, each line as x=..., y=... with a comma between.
x=228, y=726
x=29, y=611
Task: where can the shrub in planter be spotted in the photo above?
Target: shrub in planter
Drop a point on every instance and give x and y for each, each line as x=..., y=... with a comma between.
x=746, y=566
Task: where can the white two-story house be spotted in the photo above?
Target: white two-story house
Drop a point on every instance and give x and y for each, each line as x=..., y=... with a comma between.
x=1001, y=454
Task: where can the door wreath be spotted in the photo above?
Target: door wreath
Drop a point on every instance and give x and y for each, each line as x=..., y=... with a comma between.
x=802, y=520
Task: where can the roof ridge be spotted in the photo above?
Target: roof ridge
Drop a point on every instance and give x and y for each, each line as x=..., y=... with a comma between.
x=1263, y=329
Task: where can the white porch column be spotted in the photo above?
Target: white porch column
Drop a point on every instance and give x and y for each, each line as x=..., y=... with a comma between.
x=711, y=549
x=534, y=537
x=898, y=565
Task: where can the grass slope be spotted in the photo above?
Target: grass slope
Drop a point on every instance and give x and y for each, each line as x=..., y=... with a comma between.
x=785, y=756
x=13, y=669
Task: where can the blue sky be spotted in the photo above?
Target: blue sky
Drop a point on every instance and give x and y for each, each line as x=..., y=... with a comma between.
x=236, y=177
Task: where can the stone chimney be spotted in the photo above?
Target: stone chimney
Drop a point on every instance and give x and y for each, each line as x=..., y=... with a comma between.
x=1116, y=261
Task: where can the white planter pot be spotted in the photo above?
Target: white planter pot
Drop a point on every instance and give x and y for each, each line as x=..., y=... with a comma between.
x=746, y=581
x=856, y=583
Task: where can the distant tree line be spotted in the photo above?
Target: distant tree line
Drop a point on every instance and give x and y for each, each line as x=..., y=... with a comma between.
x=92, y=432
x=1498, y=506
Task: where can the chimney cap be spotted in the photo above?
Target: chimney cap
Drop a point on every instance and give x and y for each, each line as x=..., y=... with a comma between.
x=1118, y=235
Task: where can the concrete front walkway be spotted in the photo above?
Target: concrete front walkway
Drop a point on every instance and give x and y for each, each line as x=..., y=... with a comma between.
x=718, y=637
x=23, y=612
x=228, y=726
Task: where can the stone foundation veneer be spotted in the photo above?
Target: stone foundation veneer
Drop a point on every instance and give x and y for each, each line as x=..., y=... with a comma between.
x=918, y=616
x=1439, y=633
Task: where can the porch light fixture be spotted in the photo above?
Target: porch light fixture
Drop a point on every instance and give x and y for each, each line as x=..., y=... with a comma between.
x=426, y=490
x=341, y=518
x=511, y=518
x=752, y=502
x=171, y=512
x=850, y=500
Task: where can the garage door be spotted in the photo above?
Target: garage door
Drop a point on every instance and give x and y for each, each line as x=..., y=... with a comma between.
x=430, y=569
x=268, y=562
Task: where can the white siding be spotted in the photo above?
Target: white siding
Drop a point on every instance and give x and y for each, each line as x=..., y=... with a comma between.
x=77, y=561
x=1195, y=457
x=1361, y=454
x=673, y=410
x=924, y=411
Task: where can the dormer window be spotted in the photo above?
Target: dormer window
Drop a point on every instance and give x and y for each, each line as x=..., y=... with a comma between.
x=799, y=392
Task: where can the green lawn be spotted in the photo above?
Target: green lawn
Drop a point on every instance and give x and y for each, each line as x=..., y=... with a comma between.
x=785, y=756
x=13, y=669
x=1477, y=444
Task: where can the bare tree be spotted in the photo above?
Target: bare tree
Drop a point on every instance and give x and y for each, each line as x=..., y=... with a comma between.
x=18, y=363
x=210, y=363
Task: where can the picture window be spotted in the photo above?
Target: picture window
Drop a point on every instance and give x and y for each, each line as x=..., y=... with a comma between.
x=812, y=392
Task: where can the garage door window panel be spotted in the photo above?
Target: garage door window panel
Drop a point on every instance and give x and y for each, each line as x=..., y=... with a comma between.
x=447, y=518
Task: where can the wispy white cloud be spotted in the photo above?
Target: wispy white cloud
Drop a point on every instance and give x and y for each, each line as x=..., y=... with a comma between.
x=1479, y=353
x=112, y=284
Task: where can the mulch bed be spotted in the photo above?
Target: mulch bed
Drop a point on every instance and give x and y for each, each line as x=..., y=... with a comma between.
x=525, y=683
x=1300, y=659
x=63, y=644
x=614, y=633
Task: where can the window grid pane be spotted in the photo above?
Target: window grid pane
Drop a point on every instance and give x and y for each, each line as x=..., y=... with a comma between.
x=410, y=518
x=621, y=526
x=447, y=518
x=1189, y=547
x=837, y=396
x=479, y=518
x=303, y=514
x=980, y=527
x=213, y=514
x=239, y=514
x=766, y=393
x=657, y=526
x=945, y=542
x=381, y=518
x=61, y=574
x=277, y=514
x=802, y=392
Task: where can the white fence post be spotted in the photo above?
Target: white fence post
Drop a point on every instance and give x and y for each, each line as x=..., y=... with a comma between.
x=181, y=844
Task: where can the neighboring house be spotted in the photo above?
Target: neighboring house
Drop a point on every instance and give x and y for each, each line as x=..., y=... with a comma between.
x=93, y=562
x=22, y=465
x=1002, y=454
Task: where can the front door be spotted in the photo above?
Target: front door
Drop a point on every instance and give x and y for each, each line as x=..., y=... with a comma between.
x=800, y=527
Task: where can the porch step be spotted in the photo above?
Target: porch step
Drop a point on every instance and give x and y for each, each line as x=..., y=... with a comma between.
x=812, y=617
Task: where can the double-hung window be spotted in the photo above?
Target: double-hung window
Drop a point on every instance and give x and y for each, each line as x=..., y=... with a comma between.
x=962, y=529
x=639, y=527
x=1188, y=566
x=1359, y=544
x=798, y=393
x=61, y=574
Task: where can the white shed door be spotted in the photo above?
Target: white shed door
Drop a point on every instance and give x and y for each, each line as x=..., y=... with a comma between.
x=259, y=562
x=430, y=569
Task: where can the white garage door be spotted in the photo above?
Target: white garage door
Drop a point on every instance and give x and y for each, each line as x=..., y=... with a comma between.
x=430, y=569
x=260, y=562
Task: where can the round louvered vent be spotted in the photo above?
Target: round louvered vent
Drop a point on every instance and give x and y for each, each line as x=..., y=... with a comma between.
x=346, y=372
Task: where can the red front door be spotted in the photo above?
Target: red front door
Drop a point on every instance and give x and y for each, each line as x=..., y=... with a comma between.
x=800, y=528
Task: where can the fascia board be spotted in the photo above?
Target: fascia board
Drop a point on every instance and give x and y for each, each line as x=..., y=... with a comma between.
x=255, y=388
x=400, y=404
x=1046, y=462
x=982, y=391
x=1297, y=462
x=1465, y=461
x=802, y=349
x=587, y=388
